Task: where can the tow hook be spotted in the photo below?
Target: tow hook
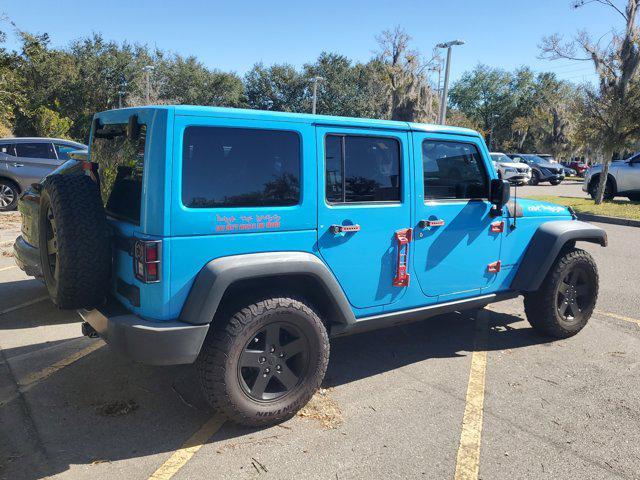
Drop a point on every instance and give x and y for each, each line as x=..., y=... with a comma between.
x=89, y=331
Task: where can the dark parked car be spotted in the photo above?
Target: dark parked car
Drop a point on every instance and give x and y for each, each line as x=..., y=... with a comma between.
x=580, y=167
x=541, y=170
x=24, y=161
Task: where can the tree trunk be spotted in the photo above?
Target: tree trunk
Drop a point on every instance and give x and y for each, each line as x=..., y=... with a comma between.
x=604, y=175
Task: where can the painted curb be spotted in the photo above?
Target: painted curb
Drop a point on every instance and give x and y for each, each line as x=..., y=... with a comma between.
x=588, y=217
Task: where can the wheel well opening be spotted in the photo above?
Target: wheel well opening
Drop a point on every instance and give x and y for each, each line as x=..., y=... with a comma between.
x=303, y=287
x=610, y=178
x=12, y=182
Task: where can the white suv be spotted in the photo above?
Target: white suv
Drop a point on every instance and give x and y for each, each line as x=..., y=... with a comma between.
x=510, y=169
x=623, y=181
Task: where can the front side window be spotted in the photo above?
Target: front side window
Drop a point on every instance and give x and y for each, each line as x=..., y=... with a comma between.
x=64, y=150
x=362, y=169
x=240, y=167
x=120, y=160
x=453, y=170
x=35, y=150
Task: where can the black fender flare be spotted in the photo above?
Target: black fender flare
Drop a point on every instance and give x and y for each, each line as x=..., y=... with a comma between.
x=219, y=274
x=548, y=241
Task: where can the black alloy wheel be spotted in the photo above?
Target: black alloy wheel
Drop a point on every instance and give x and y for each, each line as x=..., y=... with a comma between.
x=575, y=295
x=51, y=246
x=274, y=362
x=535, y=178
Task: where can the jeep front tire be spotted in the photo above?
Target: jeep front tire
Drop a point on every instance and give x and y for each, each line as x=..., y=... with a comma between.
x=265, y=362
x=567, y=297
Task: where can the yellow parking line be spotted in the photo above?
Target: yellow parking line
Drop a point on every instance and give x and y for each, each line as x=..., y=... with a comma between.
x=180, y=457
x=468, y=460
x=619, y=317
x=8, y=268
x=22, y=305
x=32, y=379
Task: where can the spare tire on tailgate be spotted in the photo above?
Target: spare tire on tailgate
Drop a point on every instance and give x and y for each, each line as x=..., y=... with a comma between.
x=75, y=251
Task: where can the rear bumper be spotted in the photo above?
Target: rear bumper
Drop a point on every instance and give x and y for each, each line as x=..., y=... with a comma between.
x=27, y=257
x=152, y=343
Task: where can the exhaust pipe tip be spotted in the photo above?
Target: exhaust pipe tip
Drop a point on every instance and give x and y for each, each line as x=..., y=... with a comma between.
x=89, y=331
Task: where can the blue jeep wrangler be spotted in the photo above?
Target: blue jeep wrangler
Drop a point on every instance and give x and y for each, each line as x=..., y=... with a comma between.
x=242, y=240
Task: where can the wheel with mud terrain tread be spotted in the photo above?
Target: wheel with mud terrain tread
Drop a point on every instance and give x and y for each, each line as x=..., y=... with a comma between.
x=567, y=297
x=9, y=193
x=535, y=178
x=265, y=362
x=74, y=243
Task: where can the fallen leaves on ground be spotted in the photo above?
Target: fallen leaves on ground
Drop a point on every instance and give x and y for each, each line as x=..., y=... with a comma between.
x=323, y=409
x=117, y=408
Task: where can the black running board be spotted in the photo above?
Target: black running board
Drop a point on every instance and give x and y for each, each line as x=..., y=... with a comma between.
x=390, y=319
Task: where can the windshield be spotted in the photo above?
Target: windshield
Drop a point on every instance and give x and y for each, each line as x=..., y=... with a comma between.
x=120, y=166
x=502, y=158
x=534, y=158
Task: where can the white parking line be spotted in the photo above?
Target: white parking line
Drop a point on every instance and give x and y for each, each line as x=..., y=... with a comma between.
x=22, y=305
x=34, y=378
x=8, y=268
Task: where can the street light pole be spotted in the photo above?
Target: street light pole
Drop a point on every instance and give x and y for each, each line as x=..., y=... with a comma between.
x=445, y=90
x=147, y=70
x=315, y=81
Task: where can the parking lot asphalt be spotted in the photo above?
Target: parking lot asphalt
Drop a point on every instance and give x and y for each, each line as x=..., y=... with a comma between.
x=406, y=402
x=568, y=188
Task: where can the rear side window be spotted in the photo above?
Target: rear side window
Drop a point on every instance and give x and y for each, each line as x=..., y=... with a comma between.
x=362, y=169
x=120, y=160
x=453, y=170
x=35, y=150
x=240, y=167
x=7, y=148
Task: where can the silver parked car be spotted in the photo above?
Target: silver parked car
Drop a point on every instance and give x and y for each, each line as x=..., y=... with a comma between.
x=25, y=160
x=623, y=181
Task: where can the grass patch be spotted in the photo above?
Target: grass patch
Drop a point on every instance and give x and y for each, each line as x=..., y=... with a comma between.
x=610, y=208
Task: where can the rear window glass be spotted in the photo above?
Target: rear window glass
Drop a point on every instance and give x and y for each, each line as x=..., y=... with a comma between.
x=238, y=167
x=120, y=162
x=362, y=169
x=7, y=148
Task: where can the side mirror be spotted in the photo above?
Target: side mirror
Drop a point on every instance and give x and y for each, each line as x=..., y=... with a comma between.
x=500, y=192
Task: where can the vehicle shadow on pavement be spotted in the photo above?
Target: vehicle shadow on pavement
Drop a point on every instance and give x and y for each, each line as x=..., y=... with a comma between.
x=104, y=408
x=445, y=336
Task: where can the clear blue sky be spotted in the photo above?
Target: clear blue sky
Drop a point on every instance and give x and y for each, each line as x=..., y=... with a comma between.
x=234, y=35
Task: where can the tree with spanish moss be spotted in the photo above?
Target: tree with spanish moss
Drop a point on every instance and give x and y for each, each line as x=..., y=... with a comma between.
x=611, y=109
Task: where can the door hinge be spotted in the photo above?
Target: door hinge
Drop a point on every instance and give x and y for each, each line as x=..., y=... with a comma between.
x=494, y=267
x=403, y=237
x=497, y=227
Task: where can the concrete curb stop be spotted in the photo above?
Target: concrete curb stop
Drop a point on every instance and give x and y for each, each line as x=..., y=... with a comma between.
x=588, y=217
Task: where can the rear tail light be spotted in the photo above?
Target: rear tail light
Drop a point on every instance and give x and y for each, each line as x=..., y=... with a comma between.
x=147, y=260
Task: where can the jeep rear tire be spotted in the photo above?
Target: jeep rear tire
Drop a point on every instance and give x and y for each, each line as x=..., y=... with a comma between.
x=265, y=363
x=567, y=297
x=73, y=239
